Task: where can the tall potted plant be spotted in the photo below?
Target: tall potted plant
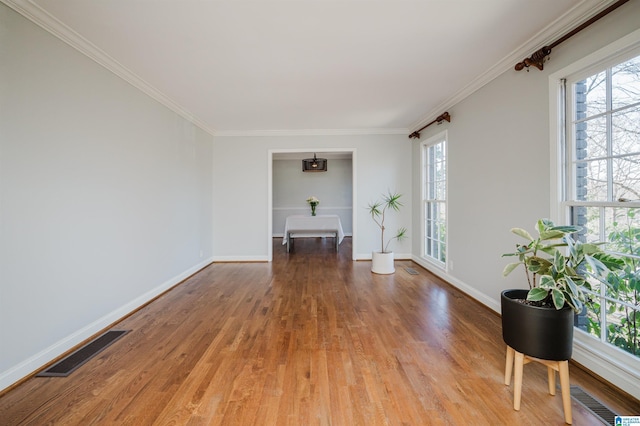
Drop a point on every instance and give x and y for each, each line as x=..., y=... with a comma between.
x=539, y=321
x=382, y=261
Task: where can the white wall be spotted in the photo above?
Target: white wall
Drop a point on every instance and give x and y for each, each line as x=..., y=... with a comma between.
x=499, y=168
x=241, y=225
x=499, y=161
x=105, y=197
x=292, y=186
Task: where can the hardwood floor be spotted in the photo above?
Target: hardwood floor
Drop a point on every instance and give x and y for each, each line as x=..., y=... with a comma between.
x=312, y=338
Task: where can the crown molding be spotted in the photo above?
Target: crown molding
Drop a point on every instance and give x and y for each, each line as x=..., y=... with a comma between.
x=578, y=14
x=49, y=23
x=312, y=132
x=556, y=29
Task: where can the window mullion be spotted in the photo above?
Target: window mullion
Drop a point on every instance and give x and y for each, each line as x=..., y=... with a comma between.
x=603, y=301
x=609, y=138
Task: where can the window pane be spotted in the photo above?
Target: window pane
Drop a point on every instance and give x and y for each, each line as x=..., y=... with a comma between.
x=590, y=322
x=431, y=190
x=626, y=83
x=439, y=152
x=428, y=237
x=624, y=231
x=592, y=186
x=434, y=222
x=622, y=286
x=442, y=224
x=589, y=219
x=591, y=139
x=619, y=226
x=595, y=95
x=626, y=178
x=437, y=172
x=440, y=190
x=435, y=234
x=626, y=131
x=623, y=327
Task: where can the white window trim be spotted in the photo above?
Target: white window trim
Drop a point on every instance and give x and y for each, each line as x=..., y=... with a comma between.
x=614, y=365
x=440, y=137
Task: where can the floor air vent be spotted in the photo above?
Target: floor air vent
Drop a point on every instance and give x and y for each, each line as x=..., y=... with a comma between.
x=593, y=405
x=411, y=271
x=67, y=365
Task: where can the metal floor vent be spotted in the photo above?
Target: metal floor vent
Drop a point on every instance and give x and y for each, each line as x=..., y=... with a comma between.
x=411, y=271
x=73, y=361
x=593, y=405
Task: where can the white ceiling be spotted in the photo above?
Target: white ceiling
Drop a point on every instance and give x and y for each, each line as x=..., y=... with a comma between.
x=301, y=65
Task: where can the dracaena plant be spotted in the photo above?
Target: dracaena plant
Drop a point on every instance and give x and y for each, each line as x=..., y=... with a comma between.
x=559, y=269
x=378, y=211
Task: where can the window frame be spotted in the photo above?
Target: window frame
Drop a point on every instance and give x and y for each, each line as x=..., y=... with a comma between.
x=441, y=137
x=614, y=364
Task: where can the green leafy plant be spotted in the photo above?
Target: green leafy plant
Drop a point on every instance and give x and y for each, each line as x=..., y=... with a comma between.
x=557, y=267
x=623, y=307
x=378, y=211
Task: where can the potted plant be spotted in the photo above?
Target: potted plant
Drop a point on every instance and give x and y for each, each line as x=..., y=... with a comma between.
x=382, y=261
x=539, y=321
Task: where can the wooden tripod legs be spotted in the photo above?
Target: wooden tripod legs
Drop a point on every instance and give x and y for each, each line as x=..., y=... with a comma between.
x=518, y=360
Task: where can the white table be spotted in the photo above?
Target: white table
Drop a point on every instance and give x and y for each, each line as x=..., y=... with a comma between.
x=300, y=226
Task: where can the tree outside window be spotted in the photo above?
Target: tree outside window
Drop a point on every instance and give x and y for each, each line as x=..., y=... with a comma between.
x=603, y=194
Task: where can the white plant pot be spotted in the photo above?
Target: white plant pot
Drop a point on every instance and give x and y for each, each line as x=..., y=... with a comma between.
x=382, y=263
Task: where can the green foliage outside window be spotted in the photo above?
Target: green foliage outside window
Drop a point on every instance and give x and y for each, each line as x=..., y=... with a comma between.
x=622, y=299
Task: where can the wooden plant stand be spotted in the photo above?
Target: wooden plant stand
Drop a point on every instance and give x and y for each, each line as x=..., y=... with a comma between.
x=519, y=360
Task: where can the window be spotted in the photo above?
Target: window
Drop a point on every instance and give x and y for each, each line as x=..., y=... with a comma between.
x=602, y=190
x=434, y=199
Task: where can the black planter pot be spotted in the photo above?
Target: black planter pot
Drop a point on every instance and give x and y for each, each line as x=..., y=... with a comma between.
x=544, y=333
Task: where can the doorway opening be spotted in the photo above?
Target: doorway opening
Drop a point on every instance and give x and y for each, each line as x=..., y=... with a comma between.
x=291, y=187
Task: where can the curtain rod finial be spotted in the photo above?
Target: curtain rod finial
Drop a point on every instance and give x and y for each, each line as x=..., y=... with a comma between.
x=537, y=59
x=443, y=117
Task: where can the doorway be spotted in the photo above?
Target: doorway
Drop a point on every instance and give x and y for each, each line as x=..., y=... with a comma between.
x=296, y=156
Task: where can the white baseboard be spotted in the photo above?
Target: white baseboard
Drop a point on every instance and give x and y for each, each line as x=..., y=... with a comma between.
x=397, y=256
x=465, y=288
x=37, y=361
x=222, y=259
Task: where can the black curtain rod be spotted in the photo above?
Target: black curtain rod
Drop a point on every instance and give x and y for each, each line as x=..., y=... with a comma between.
x=538, y=57
x=442, y=117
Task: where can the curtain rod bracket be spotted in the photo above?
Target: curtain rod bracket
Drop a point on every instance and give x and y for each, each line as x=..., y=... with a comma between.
x=442, y=117
x=538, y=58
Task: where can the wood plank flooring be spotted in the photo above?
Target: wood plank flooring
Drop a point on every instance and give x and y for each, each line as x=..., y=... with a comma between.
x=312, y=338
